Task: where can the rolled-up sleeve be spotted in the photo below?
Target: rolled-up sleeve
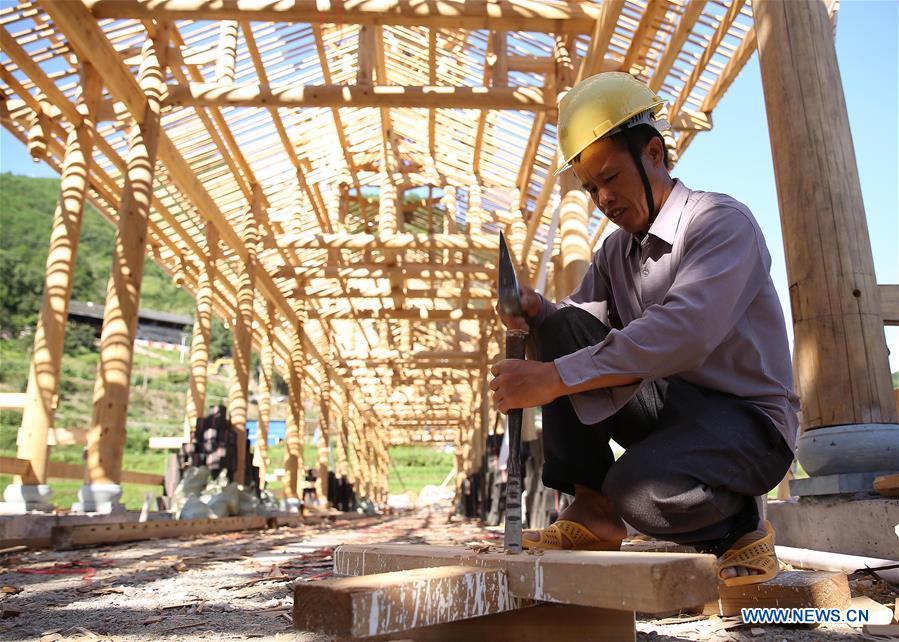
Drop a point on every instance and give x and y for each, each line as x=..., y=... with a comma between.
x=724, y=266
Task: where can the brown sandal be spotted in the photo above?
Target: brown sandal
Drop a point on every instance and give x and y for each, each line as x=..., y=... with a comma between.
x=551, y=538
x=759, y=555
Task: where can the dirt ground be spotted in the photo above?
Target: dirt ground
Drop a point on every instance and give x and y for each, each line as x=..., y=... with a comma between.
x=237, y=586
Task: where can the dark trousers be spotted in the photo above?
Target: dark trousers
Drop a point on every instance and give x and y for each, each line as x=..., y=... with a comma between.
x=694, y=458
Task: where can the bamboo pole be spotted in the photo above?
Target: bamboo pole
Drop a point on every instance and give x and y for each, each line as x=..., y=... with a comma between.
x=106, y=438
x=202, y=330
x=41, y=394
x=841, y=354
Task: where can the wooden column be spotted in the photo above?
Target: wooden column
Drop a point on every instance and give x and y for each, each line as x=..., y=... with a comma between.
x=227, y=52
x=573, y=217
x=294, y=470
x=387, y=208
x=449, y=205
x=243, y=334
x=475, y=214
x=266, y=372
x=41, y=395
x=575, y=207
x=840, y=347
x=202, y=330
x=106, y=437
x=324, y=440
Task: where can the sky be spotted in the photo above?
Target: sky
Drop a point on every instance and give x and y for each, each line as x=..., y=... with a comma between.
x=735, y=157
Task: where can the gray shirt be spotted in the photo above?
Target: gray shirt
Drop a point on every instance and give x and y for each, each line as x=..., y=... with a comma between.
x=693, y=298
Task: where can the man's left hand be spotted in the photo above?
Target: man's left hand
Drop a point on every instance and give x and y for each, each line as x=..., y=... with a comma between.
x=524, y=384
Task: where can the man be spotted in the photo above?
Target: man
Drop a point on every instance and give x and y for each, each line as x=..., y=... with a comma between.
x=673, y=345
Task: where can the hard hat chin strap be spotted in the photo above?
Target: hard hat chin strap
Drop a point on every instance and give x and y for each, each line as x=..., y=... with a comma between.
x=636, y=154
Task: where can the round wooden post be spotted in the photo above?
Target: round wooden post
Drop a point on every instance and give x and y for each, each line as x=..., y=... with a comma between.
x=202, y=330
x=293, y=452
x=575, y=206
x=41, y=394
x=106, y=437
x=266, y=371
x=387, y=208
x=448, y=224
x=841, y=354
x=243, y=334
x=324, y=441
x=474, y=216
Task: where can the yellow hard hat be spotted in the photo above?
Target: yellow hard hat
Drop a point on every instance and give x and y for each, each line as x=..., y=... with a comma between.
x=597, y=106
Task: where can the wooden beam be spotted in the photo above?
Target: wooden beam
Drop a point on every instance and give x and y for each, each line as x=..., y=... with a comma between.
x=403, y=313
x=378, y=270
x=676, y=42
x=369, y=605
x=646, y=582
x=61, y=470
x=398, y=241
x=384, y=96
x=63, y=537
x=546, y=16
x=380, y=293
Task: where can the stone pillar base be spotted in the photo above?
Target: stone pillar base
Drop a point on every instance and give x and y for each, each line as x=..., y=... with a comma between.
x=99, y=498
x=22, y=498
x=852, y=448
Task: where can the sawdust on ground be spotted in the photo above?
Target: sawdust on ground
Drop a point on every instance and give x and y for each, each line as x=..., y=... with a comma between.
x=237, y=586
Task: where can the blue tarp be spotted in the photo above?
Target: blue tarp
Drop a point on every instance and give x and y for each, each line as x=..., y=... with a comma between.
x=277, y=429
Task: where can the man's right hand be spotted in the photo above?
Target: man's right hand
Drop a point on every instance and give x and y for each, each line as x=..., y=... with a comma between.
x=530, y=303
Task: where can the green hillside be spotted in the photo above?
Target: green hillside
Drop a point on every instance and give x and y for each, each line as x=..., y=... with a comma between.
x=26, y=214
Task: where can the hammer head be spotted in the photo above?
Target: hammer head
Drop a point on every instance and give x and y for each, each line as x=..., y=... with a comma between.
x=507, y=288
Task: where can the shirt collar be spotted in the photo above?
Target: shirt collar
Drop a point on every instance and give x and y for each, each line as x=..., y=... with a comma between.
x=665, y=225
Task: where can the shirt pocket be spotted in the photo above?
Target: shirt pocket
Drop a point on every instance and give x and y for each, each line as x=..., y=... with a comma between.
x=655, y=281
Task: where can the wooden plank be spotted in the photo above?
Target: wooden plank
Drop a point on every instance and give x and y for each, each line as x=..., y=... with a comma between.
x=61, y=470
x=646, y=582
x=166, y=443
x=541, y=623
x=12, y=400
x=91, y=534
x=14, y=466
x=790, y=589
x=62, y=437
x=389, y=602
